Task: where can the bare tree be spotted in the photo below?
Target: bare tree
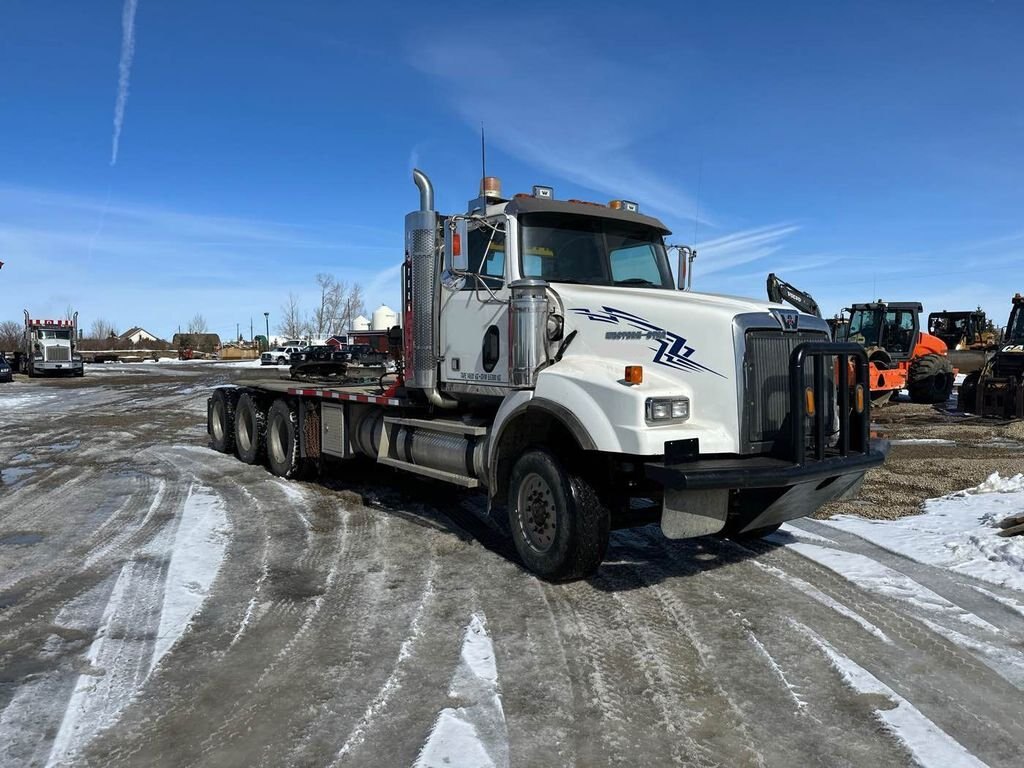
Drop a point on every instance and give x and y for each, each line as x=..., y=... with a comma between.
x=292, y=324
x=355, y=305
x=11, y=333
x=197, y=324
x=102, y=329
x=332, y=301
x=69, y=313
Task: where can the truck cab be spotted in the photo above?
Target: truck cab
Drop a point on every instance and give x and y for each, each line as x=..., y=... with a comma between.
x=560, y=321
x=50, y=347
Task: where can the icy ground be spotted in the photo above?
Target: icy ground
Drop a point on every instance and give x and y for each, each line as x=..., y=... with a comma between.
x=165, y=605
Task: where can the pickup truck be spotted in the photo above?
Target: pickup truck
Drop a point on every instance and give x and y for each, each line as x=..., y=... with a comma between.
x=279, y=355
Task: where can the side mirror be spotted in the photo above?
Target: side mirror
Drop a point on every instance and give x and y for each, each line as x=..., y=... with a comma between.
x=456, y=241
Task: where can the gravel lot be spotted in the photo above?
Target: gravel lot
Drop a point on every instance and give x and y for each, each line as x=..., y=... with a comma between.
x=165, y=605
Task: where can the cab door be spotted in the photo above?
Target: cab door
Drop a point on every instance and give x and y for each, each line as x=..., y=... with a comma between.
x=474, y=307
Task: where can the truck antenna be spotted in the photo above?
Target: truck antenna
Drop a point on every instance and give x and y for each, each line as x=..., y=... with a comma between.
x=483, y=152
x=696, y=218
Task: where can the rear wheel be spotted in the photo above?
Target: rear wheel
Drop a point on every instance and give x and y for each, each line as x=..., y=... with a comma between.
x=559, y=523
x=283, y=439
x=250, y=428
x=930, y=379
x=967, y=401
x=222, y=419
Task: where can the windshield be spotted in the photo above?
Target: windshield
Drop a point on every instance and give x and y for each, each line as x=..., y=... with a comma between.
x=45, y=334
x=593, y=250
x=1015, y=328
x=863, y=327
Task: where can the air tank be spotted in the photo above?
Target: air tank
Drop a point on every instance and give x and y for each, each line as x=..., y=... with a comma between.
x=384, y=317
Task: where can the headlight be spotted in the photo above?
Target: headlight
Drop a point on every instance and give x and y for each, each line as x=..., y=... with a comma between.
x=667, y=408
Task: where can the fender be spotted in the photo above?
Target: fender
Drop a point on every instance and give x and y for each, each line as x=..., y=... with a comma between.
x=524, y=402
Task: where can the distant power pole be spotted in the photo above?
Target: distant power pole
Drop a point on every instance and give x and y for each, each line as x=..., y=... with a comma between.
x=238, y=332
x=250, y=327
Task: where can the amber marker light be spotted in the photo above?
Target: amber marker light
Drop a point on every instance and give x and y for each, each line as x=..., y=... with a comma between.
x=634, y=374
x=809, y=401
x=859, y=397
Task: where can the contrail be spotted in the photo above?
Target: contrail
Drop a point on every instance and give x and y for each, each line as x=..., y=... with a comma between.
x=124, y=71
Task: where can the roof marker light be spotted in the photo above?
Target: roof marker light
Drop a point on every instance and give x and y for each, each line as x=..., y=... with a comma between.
x=547, y=193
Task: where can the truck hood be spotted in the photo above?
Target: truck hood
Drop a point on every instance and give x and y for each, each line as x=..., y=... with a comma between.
x=676, y=330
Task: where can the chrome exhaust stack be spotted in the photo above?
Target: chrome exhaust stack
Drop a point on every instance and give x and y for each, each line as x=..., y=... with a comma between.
x=421, y=294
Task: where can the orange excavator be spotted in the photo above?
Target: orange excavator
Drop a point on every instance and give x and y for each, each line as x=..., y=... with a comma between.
x=884, y=377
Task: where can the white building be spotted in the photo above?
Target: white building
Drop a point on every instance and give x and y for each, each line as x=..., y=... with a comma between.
x=137, y=335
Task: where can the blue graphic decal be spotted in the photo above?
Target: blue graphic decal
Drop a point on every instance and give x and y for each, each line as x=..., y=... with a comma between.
x=672, y=350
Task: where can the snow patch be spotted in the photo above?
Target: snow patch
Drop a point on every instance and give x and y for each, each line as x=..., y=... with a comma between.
x=875, y=577
x=958, y=532
x=197, y=553
x=474, y=733
x=816, y=594
x=928, y=744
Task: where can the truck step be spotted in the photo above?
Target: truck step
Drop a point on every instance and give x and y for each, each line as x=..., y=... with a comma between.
x=450, y=426
x=437, y=474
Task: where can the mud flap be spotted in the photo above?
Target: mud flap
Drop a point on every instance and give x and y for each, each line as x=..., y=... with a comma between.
x=687, y=514
x=803, y=500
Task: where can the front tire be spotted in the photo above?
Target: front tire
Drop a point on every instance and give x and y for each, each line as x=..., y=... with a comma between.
x=930, y=379
x=283, y=439
x=250, y=429
x=559, y=523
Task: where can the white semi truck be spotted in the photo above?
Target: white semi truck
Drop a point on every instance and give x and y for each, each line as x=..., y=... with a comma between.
x=51, y=347
x=547, y=357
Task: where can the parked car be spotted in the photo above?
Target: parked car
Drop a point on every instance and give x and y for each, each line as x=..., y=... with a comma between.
x=279, y=355
x=6, y=374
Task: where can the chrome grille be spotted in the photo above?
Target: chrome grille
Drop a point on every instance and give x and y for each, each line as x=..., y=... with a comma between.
x=766, y=384
x=58, y=354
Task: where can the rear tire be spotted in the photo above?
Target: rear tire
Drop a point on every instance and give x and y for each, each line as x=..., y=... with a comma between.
x=283, y=439
x=967, y=401
x=250, y=429
x=559, y=522
x=930, y=379
x=222, y=419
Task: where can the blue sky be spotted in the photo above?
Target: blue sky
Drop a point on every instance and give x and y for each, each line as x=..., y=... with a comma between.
x=859, y=150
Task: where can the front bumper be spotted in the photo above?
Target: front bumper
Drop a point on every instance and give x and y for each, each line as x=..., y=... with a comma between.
x=52, y=367
x=812, y=465
x=761, y=472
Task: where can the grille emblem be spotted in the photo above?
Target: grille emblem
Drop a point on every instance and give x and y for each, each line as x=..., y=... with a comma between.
x=788, y=319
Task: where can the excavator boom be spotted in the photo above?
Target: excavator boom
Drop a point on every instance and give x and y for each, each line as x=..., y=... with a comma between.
x=780, y=291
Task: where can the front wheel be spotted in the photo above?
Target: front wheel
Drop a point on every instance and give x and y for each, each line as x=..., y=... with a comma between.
x=559, y=523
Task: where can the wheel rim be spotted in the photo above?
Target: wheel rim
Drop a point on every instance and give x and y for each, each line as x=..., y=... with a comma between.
x=537, y=513
x=244, y=431
x=218, y=420
x=276, y=440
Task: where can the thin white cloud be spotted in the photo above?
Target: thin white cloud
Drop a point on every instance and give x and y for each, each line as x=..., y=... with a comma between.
x=124, y=71
x=737, y=248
